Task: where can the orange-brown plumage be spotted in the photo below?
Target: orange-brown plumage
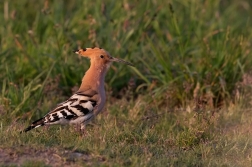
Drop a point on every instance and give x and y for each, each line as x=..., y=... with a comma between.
x=90, y=99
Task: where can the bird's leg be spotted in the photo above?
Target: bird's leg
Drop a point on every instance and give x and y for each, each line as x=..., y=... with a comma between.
x=82, y=129
x=77, y=127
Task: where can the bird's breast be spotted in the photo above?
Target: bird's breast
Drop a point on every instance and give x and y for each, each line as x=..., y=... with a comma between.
x=102, y=101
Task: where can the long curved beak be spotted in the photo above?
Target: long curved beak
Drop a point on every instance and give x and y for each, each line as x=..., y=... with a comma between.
x=113, y=59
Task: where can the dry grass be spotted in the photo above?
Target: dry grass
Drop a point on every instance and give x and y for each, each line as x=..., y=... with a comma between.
x=150, y=137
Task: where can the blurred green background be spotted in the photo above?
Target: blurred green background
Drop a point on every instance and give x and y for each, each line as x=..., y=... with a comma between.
x=173, y=44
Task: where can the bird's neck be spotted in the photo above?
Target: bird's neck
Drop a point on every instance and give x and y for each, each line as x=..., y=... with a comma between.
x=94, y=78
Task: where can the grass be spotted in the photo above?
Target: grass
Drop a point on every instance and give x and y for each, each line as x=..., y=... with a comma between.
x=186, y=103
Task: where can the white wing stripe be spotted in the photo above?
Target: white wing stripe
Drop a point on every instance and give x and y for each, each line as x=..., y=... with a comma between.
x=76, y=108
x=87, y=105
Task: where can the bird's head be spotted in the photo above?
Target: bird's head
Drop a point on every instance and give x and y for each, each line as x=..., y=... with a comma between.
x=100, y=57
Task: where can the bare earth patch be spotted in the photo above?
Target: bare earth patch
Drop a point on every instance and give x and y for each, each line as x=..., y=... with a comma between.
x=46, y=156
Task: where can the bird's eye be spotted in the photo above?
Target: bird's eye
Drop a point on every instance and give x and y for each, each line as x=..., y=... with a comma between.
x=102, y=56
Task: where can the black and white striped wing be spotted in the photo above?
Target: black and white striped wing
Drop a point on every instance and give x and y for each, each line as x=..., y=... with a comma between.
x=77, y=109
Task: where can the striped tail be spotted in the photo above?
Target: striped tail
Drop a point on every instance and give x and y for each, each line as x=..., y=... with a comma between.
x=35, y=124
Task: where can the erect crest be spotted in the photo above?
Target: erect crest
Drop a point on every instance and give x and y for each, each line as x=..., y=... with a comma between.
x=91, y=51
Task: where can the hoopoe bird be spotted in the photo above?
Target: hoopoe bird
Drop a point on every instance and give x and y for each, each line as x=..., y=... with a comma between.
x=89, y=100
